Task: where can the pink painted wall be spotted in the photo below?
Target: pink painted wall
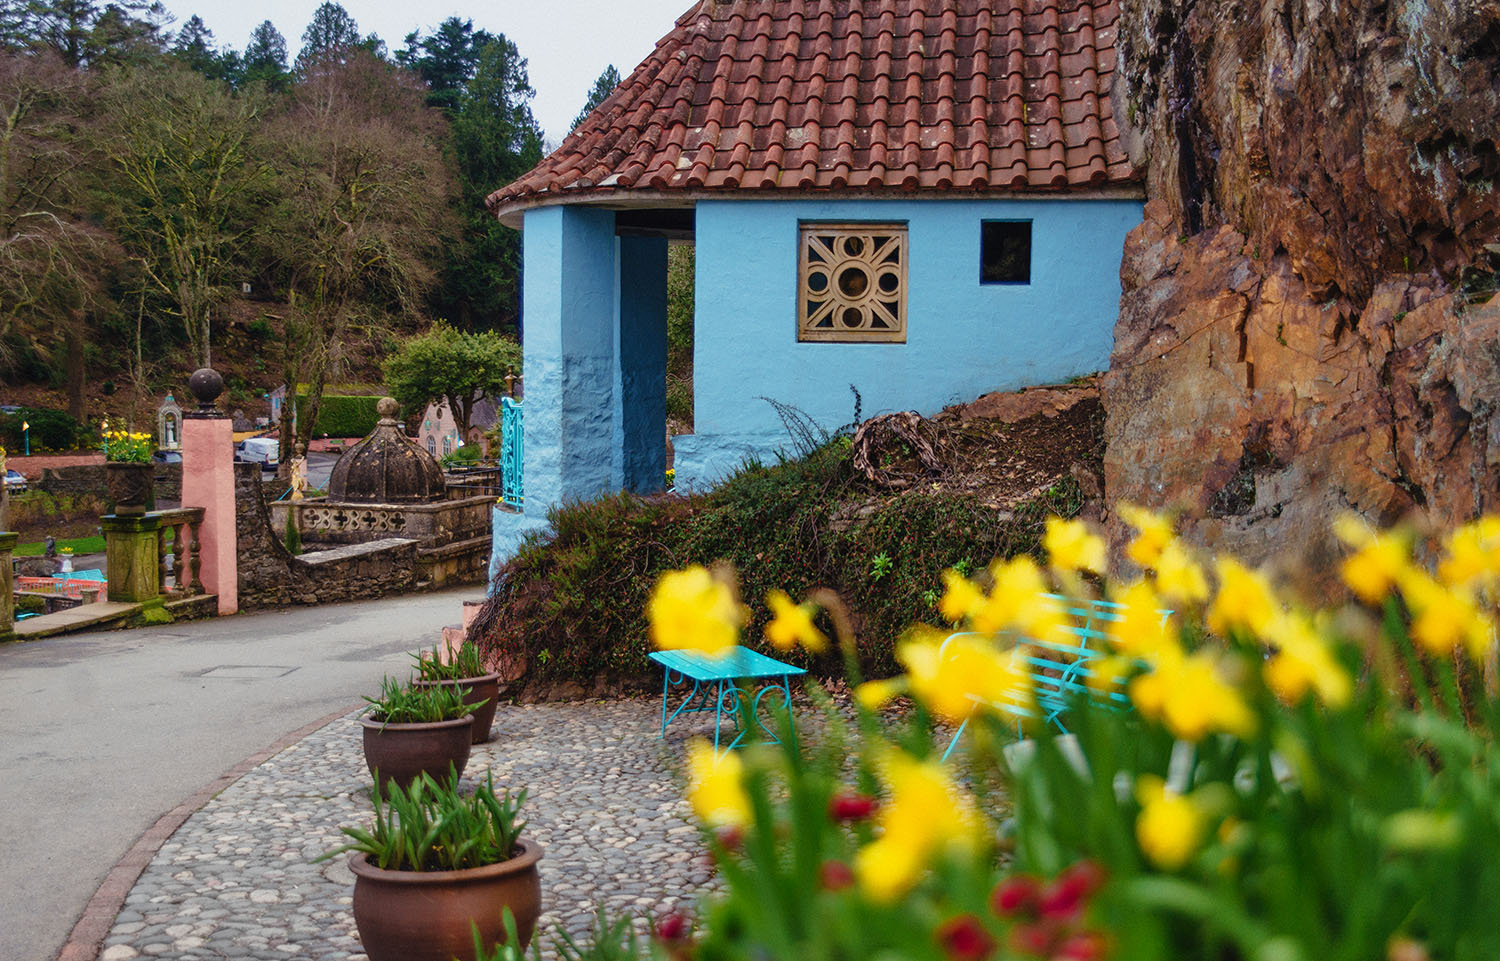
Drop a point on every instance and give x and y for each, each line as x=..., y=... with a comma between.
x=208, y=482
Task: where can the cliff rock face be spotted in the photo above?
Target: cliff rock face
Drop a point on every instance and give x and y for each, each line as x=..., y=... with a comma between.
x=1304, y=328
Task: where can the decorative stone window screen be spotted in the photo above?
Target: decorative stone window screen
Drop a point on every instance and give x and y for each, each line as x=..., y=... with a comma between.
x=851, y=281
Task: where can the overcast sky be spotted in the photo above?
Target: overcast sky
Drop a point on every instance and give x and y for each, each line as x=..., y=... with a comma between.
x=568, y=42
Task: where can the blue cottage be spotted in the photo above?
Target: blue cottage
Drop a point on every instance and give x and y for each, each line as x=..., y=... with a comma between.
x=926, y=199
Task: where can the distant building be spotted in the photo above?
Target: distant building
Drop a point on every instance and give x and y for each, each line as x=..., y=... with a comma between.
x=438, y=434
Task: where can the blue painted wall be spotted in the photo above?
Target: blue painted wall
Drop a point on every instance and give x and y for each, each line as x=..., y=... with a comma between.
x=963, y=339
x=569, y=364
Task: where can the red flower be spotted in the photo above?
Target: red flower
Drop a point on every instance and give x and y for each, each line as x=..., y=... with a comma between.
x=835, y=875
x=730, y=837
x=1014, y=895
x=1037, y=940
x=1065, y=897
x=1083, y=946
x=851, y=807
x=965, y=939
x=672, y=928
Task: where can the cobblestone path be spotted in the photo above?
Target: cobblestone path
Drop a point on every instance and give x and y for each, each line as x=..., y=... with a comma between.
x=238, y=879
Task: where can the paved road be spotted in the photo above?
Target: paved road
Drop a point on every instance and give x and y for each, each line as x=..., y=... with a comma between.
x=102, y=733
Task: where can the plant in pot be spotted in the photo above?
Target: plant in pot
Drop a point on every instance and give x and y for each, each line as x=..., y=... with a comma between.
x=437, y=870
x=127, y=470
x=412, y=730
x=464, y=669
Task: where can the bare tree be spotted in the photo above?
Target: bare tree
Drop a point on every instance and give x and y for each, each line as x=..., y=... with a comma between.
x=360, y=216
x=182, y=142
x=53, y=259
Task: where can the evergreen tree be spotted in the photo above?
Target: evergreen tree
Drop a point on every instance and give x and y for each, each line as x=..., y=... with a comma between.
x=603, y=87
x=495, y=140
x=446, y=60
x=330, y=35
x=195, y=46
x=265, y=57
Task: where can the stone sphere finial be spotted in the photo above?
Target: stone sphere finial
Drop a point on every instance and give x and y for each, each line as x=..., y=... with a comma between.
x=387, y=408
x=206, y=384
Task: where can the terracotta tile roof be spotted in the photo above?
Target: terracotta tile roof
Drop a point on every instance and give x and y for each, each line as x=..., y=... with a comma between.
x=783, y=95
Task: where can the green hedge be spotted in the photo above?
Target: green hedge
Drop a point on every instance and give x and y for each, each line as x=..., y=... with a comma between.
x=50, y=430
x=573, y=604
x=341, y=415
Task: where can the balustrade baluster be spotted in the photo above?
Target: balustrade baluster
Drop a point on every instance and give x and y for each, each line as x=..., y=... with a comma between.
x=161, y=560
x=193, y=559
x=179, y=555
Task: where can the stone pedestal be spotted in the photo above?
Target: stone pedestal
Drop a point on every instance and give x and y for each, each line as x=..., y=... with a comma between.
x=208, y=482
x=7, y=599
x=130, y=557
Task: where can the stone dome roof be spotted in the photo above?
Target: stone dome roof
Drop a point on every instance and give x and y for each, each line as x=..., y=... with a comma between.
x=386, y=467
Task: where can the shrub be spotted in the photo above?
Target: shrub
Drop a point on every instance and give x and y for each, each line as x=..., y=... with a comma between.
x=341, y=415
x=50, y=430
x=570, y=606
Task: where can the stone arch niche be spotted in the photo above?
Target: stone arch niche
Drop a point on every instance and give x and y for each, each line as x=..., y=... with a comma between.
x=169, y=425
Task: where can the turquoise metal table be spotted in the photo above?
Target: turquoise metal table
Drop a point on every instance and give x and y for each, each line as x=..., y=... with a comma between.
x=716, y=678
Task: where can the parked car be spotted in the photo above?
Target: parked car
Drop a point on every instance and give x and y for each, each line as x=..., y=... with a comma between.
x=166, y=457
x=15, y=481
x=265, y=451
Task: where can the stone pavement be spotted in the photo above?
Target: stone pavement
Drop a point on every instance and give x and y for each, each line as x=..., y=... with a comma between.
x=238, y=879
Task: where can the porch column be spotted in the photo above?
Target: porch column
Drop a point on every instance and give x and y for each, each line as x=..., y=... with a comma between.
x=569, y=289
x=643, y=363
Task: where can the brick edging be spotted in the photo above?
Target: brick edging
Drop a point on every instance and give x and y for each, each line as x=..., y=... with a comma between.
x=88, y=934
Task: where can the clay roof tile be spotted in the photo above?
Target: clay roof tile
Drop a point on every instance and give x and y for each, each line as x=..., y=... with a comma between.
x=804, y=94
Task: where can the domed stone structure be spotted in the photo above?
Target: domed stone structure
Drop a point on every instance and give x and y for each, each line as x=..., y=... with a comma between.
x=386, y=468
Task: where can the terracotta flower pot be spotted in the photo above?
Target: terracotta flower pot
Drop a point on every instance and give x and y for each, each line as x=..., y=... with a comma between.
x=484, y=688
x=129, y=486
x=402, y=751
x=426, y=915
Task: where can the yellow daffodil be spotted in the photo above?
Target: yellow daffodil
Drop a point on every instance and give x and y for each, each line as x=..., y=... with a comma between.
x=792, y=624
x=1304, y=661
x=924, y=815
x=950, y=679
x=1178, y=576
x=1071, y=546
x=1473, y=554
x=1245, y=601
x=1154, y=532
x=873, y=695
x=1016, y=602
x=1445, y=618
x=1142, y=628
x=716, y=786
x=1106, y=674
x=1189, y=697
x=1170, y=827
x=1378, y=562
x=694, y=610
x=960, y=599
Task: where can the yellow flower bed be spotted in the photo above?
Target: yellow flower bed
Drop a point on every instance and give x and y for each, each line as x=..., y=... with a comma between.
x=1290, y=784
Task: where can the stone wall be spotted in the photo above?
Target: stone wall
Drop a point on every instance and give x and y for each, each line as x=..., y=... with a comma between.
x=89, y=479
x=270, y=576
x=1302, y=329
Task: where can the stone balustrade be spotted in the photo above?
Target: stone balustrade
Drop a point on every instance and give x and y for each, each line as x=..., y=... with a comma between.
x=183, y=571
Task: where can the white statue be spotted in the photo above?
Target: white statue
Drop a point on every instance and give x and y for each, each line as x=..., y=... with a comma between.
x=299, y=473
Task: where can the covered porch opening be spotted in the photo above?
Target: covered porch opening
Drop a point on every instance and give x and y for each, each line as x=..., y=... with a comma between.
x=595, y=344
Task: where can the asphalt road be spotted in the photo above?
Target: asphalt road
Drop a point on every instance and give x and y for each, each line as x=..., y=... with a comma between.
x=102, y=733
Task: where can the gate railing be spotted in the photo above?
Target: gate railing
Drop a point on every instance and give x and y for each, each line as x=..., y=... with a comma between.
x=512, y=493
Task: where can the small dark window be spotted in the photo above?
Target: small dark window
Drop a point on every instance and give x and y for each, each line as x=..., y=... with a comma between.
x=1005, y=252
